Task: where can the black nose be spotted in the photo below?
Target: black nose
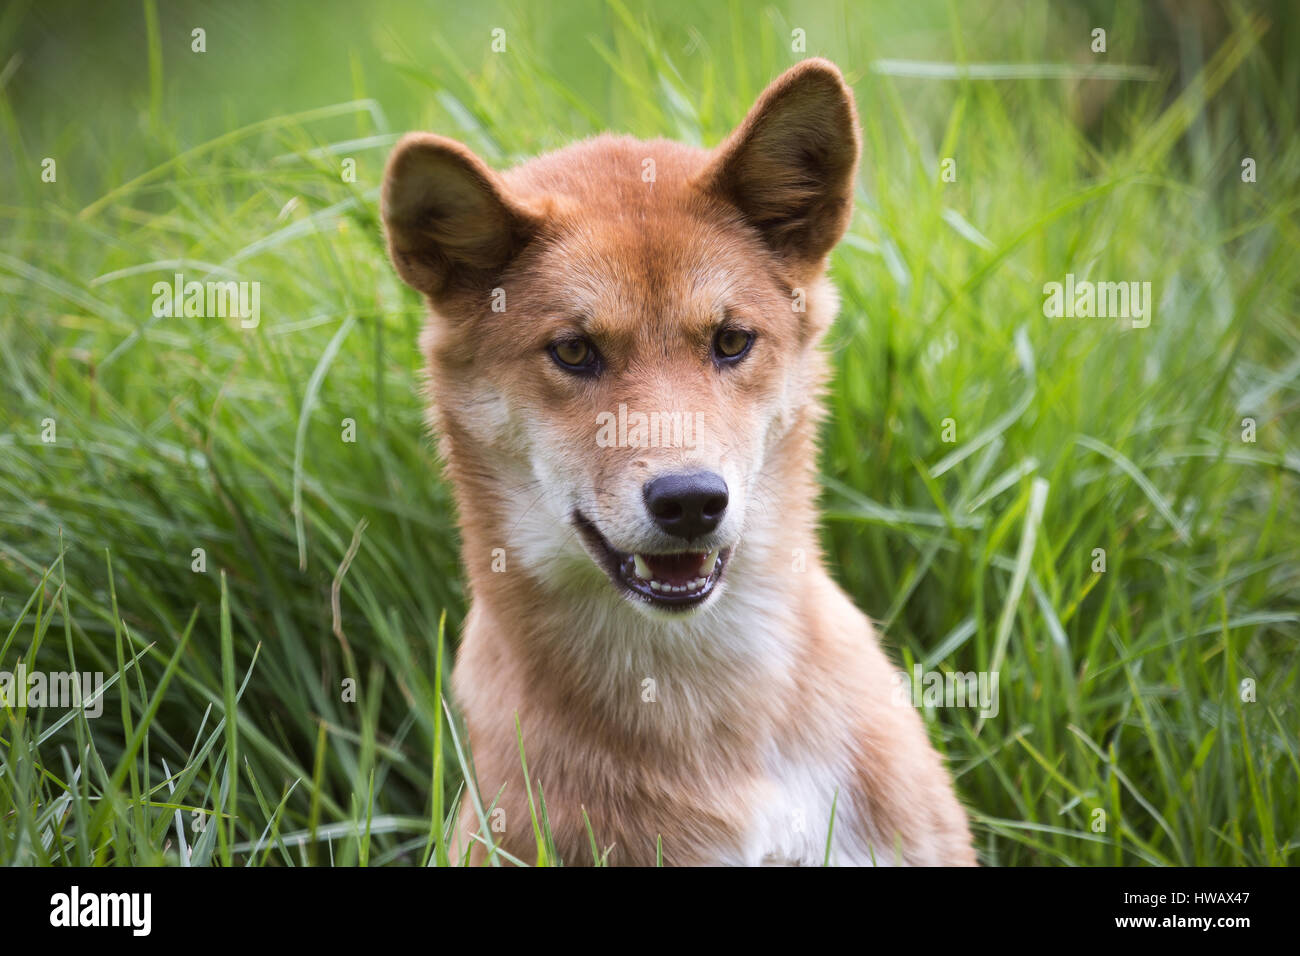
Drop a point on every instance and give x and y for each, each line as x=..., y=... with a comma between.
x=687, y=505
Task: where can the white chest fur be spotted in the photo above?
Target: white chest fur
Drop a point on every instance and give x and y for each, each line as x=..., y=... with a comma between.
x=799, y=807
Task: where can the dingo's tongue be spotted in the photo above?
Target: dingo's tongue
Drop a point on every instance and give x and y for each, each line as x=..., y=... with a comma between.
x=675, y=569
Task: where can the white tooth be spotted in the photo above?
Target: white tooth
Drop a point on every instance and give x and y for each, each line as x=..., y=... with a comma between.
x=710, y=560
x=699, y=583
x=656, y=585
x=642, y=569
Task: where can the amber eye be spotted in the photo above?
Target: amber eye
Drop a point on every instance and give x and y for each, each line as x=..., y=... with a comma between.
x=575, y=355
x=730, y=345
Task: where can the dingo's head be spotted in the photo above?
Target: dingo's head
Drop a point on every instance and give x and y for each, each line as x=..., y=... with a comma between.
x=623, y=342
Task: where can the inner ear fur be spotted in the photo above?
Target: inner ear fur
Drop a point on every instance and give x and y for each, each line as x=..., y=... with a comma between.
x=449, y=219
x=790, y=167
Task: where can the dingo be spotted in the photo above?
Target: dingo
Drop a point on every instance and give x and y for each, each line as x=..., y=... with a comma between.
x=657, y=613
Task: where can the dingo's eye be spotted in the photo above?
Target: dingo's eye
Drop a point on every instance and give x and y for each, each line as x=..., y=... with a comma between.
x=730, y=345
x=574, y=355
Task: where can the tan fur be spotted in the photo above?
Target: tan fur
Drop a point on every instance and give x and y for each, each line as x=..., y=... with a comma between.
x=772, y=698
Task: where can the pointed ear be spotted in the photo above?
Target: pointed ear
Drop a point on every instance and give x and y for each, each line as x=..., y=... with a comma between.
x=449, y=219
x=791, y=165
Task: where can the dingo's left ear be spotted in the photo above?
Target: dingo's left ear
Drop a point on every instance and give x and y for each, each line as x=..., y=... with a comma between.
x=790, y=166
x=451, y=223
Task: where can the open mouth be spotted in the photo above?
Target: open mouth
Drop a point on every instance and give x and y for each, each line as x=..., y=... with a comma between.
x=673, y=581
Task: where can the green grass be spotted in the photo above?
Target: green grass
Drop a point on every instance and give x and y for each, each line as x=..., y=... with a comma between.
x=225, y=730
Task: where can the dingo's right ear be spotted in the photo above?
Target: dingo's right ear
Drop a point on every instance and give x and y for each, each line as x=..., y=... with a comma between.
x=790, y=166
x=449, y=219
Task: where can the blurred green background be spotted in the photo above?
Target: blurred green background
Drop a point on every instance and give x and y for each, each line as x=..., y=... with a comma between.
x=1125, y=733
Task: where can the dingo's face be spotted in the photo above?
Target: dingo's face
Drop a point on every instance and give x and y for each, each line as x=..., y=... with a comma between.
x=654, y=360
x=625, y=335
